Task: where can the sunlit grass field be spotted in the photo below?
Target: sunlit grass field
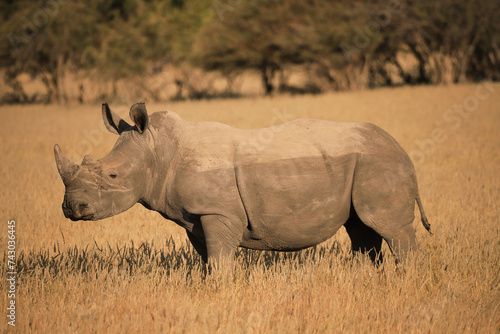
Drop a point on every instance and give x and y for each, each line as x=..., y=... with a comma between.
x=137, y=273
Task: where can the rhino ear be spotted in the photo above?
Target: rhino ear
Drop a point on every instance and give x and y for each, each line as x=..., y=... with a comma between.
x=114, y=123
x=139, y=115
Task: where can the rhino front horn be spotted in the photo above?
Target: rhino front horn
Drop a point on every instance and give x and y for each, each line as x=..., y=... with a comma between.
x=65, y=166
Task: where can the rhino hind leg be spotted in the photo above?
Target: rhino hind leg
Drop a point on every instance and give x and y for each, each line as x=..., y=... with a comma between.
x=401, y=242
x=386, y=205
x=392, y=221
x=364, y=240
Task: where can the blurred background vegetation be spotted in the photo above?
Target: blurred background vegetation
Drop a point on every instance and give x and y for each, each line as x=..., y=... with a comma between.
x=94, y=50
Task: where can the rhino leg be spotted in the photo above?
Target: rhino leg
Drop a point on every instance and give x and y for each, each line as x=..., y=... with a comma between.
x=393, y=221
x=402, y=241
x=384, y=199
x=222, y=238
x=200, y=247
x=364, y=240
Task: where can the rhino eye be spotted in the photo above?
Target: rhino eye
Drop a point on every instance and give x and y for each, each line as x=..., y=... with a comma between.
x=112, y=175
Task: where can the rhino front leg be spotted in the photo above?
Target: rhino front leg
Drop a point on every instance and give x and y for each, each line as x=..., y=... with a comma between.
x=222, y=238
x=200, y=247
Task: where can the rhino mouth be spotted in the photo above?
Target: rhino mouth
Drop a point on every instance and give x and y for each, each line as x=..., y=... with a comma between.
x=77, y=212
x=77, y=218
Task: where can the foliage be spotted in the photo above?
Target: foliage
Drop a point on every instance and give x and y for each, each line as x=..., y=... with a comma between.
x=42, y=41
x=343, y=38
x=342, y=44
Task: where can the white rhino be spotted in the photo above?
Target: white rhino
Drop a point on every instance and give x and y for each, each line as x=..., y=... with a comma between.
x=310, y=178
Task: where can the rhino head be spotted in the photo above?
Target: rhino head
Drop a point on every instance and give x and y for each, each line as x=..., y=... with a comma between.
x=97, y=189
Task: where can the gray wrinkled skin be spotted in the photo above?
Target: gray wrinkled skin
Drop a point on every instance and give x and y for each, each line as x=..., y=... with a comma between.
x=290, y=191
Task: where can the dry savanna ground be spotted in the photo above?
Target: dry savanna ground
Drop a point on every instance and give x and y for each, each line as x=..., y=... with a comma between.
x=136, y=272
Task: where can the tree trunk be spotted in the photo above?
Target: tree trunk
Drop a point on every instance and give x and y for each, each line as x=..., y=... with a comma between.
x=267, y=74
x=405, y=76
x=421, y=51
x=464, y=60
x=422, y=77
x=17, y=87
x=51, y=80
x=51, y=84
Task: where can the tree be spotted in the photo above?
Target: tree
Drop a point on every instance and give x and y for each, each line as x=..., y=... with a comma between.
x=448, y=37
x=42, y=40
x=258, y=35
x=342, y=44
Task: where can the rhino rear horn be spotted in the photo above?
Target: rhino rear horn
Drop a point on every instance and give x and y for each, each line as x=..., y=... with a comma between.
x=139, y=115
x=65, y=166
x=88, y=161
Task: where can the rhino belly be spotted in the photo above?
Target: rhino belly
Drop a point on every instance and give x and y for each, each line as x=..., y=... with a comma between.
x=294, y=203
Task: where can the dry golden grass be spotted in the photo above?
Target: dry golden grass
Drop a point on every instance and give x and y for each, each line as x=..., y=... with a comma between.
x=452, y=286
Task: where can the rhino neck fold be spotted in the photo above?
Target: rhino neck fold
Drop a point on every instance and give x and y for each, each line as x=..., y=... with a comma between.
x=158, y=178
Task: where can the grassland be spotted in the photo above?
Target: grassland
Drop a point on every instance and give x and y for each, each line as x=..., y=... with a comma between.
x=136, y=272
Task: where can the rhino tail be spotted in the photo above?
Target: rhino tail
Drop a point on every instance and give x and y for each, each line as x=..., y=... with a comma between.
x=423, y=217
